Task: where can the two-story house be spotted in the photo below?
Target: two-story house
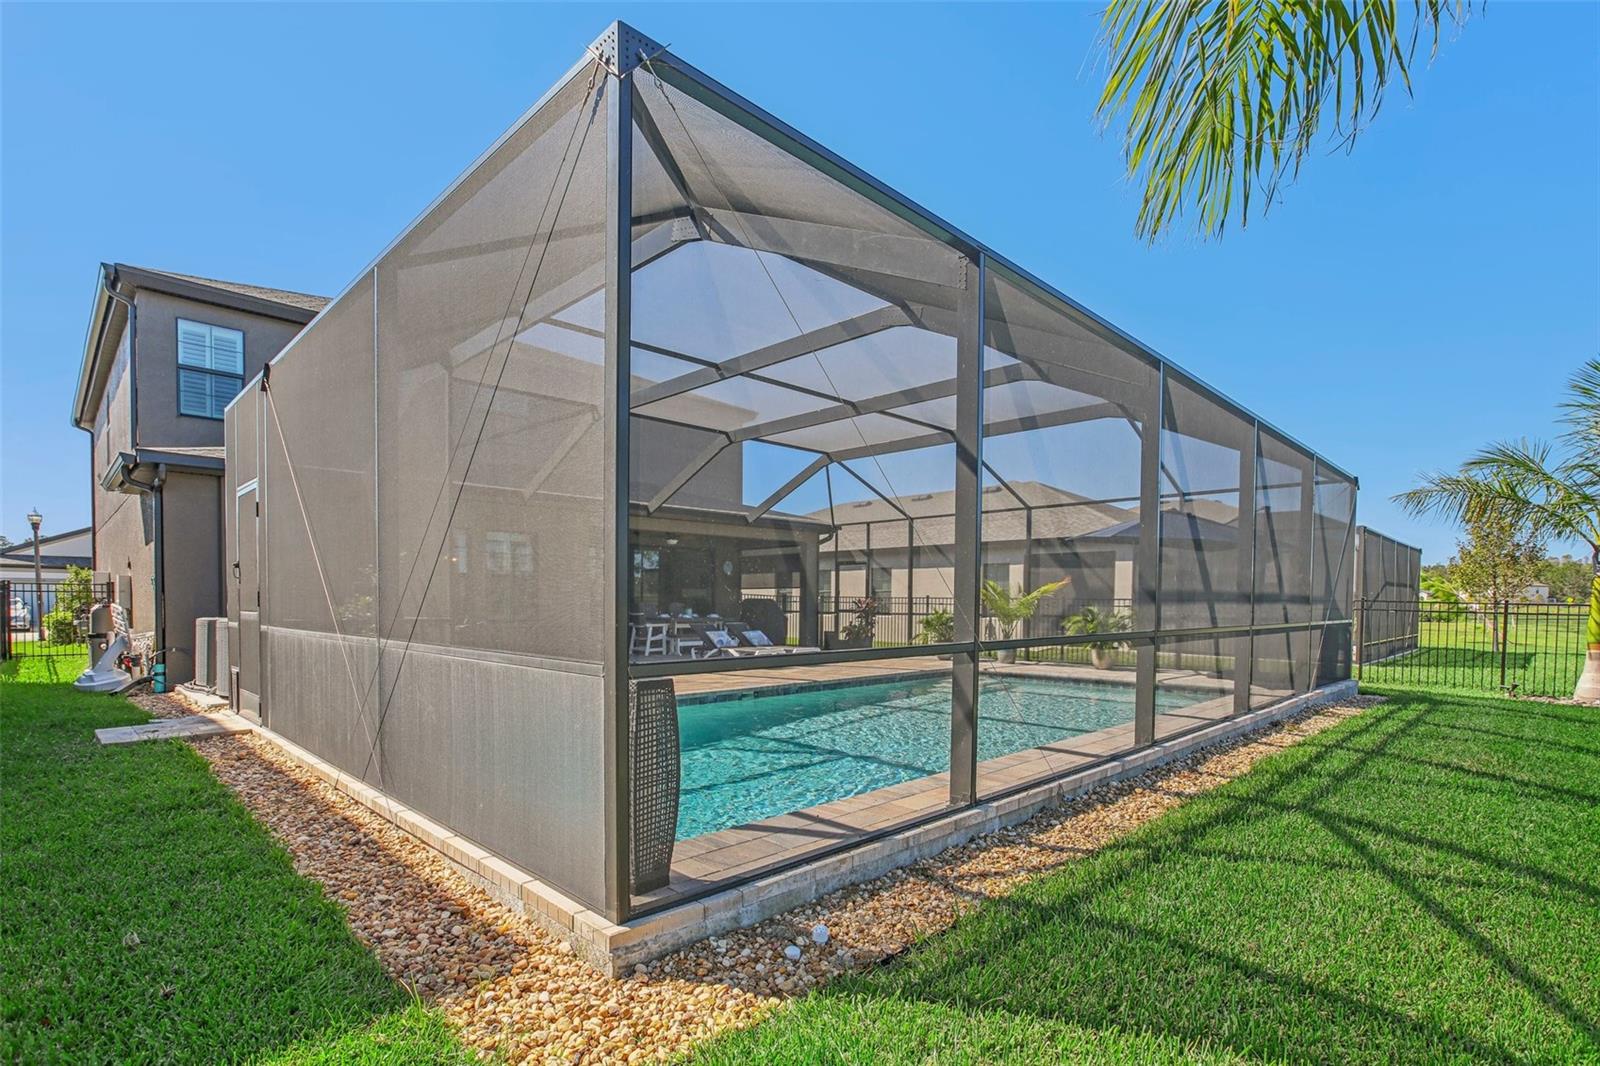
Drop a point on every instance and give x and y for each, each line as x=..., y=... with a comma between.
x=163, y=356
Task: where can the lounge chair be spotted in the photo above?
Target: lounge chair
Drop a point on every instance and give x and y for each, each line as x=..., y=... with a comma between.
x=756, y=642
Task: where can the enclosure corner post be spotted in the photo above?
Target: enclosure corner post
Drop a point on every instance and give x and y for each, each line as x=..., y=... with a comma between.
x=1304, y=673
x=1147, y=607
x=1358, y=601
x=618, y=92
x=1243, y=661
x=968, y=539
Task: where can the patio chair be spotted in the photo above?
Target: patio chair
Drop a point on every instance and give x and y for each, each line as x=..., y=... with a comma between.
x=722, y=643
x=751, y=637
x=756, y=642
x=648, y=638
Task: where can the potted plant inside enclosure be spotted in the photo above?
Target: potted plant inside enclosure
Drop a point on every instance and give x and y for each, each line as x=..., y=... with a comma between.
x=1094, y=621
x=859, y=631
x=1007, y=609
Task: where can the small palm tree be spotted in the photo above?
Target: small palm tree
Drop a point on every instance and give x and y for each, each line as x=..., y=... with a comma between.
x=1554, y=488
x=937, y=627
x=1007, y=608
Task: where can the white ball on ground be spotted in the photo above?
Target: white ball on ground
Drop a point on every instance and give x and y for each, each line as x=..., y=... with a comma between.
x=819, y=935
x=792, y=953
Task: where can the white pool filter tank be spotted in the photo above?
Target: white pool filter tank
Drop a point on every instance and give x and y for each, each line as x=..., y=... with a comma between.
x=110, y=621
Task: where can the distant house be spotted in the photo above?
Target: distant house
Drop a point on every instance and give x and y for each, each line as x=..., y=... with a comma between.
x=1536, y=592
x=56, y=552
x=163, y=356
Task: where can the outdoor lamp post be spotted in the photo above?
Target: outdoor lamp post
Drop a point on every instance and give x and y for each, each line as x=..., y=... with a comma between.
x=35, y=519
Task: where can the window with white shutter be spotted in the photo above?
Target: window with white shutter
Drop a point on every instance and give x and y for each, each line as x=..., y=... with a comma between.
x=210, y=368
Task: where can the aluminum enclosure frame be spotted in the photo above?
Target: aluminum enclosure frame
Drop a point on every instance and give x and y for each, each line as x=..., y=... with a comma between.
x=661, y=63
x=598, y=687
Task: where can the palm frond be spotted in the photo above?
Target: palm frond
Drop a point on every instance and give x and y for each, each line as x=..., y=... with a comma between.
x=1580, y=411
x=1522, y=479
x=1226, y=98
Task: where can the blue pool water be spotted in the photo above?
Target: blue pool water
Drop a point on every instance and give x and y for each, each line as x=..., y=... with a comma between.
x=748, y=759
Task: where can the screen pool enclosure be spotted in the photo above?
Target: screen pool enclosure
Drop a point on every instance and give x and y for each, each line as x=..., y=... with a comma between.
x=673, y=503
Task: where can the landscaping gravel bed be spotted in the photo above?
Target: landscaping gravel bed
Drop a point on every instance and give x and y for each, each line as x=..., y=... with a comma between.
x=512, y=988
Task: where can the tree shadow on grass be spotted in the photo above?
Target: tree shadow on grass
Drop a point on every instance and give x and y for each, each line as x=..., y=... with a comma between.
x=148, y=918
x=1469, y=733
x=1106, y=944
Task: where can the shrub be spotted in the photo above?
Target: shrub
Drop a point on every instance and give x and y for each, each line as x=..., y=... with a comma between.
x=865, y=621
x=61, y=627
x=938, y=627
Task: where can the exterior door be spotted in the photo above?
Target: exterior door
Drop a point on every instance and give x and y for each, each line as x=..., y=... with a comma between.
x=247, y=572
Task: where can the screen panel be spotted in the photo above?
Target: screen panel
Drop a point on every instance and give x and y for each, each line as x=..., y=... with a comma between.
x=1206, y=551
x=490, y=406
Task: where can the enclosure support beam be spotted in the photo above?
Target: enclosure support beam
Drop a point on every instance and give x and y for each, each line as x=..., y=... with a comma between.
x=1027, y=552
x=787, y=487
x=1305, y=671
x=705, y=458
x=810, y=630
x=1091, y=413
x=911, y=574
x=1242, y=645
x=618, y=378
x=968, y=542
x=804, y=344
x=880, y=404
x=901, y=511
x=1147, y=596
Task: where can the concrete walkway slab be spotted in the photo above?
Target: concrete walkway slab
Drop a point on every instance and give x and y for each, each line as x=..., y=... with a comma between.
x=195, y=725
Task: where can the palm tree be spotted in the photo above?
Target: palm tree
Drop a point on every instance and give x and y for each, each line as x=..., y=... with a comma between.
x=1225, y=98
x=1007, y=608
x=1552, y=487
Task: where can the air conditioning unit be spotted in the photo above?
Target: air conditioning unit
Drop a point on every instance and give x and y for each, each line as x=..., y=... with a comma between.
x=221, y=672
x=205, y=632
x=210, y=654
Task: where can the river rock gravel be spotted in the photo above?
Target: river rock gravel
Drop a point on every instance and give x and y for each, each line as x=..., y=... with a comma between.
x=519, y=993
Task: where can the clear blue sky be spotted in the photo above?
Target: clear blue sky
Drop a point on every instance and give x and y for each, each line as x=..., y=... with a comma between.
x=1401, y=306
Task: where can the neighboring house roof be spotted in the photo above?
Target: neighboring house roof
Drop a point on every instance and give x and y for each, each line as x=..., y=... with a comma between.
x=1188, y=528
x=303, y=300
x=1057, y=515
x=21, y=554
x=18, y=564
x=297, y=307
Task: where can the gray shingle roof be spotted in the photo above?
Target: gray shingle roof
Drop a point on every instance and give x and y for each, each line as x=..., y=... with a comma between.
x=303, y=300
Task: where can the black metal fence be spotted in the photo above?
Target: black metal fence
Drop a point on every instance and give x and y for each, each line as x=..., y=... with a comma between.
x=1527, y=649
x=49, y=618
x=895, y=620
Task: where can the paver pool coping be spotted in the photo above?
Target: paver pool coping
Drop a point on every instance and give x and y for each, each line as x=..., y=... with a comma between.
x=616, y=949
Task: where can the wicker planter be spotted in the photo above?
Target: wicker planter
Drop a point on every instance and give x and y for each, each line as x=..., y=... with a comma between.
x=653, y=742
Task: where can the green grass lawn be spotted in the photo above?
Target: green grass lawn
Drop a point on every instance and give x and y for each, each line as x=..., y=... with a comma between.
x=1457, y=653
x=1419, y=884
x=145, y=916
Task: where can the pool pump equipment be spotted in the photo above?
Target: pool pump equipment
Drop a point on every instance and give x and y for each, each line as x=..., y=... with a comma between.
x=108, y=630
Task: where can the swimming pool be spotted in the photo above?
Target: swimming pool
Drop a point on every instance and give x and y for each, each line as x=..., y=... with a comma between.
x=754, y=758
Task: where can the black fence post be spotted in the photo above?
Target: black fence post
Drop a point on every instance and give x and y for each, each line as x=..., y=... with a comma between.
x=5, y=620
x=1505, y=639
